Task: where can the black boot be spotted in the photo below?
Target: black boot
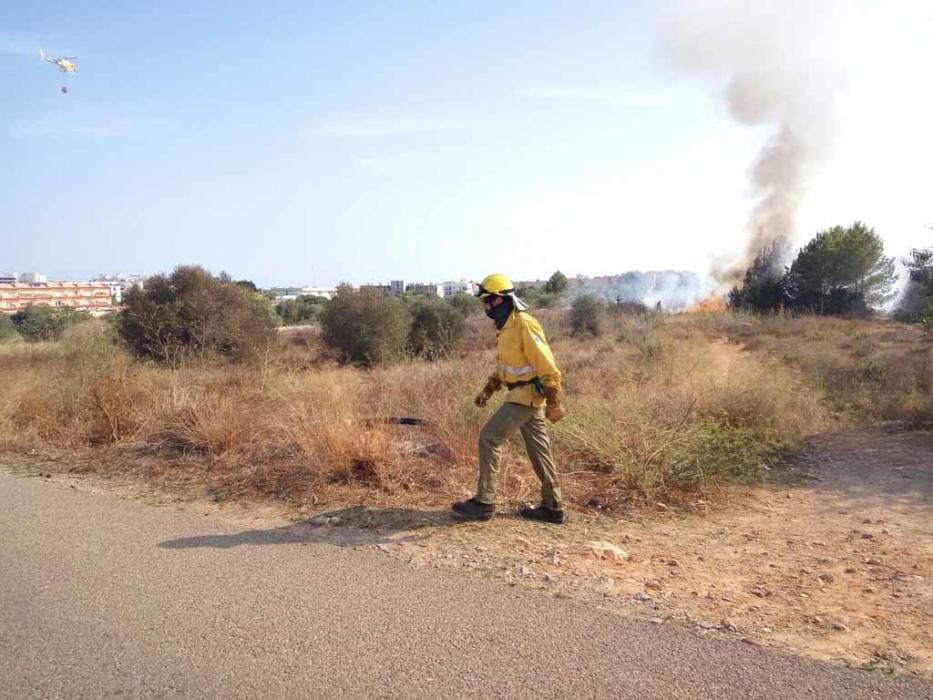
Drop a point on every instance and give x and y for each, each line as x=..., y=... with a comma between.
x=543, y=514
x=473, y=509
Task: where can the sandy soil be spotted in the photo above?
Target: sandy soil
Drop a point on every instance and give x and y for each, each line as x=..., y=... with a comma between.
x=834, y=559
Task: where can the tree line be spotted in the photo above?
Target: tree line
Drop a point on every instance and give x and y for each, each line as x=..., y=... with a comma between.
x=840, y=271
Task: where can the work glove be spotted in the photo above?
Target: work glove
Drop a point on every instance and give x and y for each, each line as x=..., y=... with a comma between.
x=554, y=411
x=492, y=386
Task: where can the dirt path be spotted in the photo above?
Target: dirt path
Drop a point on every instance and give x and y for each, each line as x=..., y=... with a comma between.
x=833, y=560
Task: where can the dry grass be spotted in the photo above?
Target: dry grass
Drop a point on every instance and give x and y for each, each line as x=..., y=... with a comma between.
x=656, y=408
x=869, y=369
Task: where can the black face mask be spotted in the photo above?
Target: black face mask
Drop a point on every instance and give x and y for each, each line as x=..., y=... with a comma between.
x=500, y=314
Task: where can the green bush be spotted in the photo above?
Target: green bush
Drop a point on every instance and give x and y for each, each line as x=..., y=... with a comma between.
x=8, y=333
x=304, y=309
x=43, y=323
x=586, y=315
x=466, y=304
x=366, y=326
x=436, y=329
x=191, y=312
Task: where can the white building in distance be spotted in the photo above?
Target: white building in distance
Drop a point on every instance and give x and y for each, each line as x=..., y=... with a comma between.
x=459, y=287
x=430, y=290
x=121, y=283
x=290, y=293
x=23, y=278
x=320, y=292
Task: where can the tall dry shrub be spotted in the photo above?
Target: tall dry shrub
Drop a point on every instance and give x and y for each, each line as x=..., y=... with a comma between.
x=436, y=329
x=677, y=418
x=366, y=326
x=586, y=315
x=192, y=313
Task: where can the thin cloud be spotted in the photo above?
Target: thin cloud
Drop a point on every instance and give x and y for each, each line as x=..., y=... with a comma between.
x=391, y=164
x=588, y=93
x=366, y=129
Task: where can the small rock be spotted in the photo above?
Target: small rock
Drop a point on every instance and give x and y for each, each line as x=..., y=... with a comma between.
x=673, y=562
x=729, y=625
x=873, y=562
x=319, y=520
x=607, y=550
x=752, y=642
x=525, y=571
x=552, y=557
x=549, y=579
x=703, y=625
x=652, y=583
x=840, y=626
x=760, y=591
x=866, y=521
x=642, y=597
x=826, y=578
x=766, y=630
x=825, y=561
x=657, y=620
x=850, y=570
x=867, y=536
x=334, y=520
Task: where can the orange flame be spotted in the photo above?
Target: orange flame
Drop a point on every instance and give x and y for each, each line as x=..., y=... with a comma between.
x=711, y=304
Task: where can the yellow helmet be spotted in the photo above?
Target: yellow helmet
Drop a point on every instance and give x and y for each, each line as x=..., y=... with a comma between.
x=496, y=283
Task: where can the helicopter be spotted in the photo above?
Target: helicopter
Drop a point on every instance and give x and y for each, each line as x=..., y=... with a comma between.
x=66, y=64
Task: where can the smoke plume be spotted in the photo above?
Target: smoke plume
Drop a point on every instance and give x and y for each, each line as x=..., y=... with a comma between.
x=771, y=63
x=673, y=290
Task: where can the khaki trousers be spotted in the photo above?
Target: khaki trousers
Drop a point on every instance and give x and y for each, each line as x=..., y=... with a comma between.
x=500, y=426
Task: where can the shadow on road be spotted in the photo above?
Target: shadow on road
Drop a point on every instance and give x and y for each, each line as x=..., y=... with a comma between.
x=347, y=527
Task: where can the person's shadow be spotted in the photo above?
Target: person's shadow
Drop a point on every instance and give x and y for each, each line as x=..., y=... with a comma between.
x=348, y=527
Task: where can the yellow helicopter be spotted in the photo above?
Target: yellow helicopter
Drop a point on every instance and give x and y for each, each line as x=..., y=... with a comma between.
x=66, y=64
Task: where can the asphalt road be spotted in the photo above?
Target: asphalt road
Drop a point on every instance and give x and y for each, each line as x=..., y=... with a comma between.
x=103, y=597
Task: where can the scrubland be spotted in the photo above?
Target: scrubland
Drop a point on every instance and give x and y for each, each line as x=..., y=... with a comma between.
x=659, y=406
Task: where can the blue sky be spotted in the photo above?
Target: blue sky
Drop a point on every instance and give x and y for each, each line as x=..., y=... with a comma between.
x=319, y=142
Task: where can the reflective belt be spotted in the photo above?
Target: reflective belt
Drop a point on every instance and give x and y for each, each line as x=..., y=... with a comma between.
x=517, y=370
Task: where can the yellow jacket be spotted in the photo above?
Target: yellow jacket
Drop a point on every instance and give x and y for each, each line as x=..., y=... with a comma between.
x=522, y=353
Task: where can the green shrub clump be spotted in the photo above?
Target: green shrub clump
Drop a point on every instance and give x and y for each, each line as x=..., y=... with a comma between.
x=436, y=329
x=366, y=326
x=193, y=313
x=586, y=315
x=43, y=323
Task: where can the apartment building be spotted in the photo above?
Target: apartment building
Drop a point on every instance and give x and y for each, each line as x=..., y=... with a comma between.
x=93, y=297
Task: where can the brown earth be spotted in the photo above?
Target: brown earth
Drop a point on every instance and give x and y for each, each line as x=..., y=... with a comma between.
x=833, y=558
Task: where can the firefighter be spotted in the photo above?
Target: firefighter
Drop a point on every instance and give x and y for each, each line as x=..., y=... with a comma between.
x=525, y=367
